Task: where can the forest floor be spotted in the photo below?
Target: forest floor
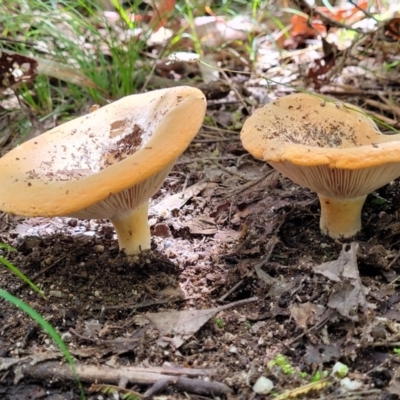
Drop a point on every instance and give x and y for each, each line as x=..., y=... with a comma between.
x=232, y=290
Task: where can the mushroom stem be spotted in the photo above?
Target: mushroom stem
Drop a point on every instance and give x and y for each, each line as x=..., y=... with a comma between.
x=341, y=217
x=133, y=229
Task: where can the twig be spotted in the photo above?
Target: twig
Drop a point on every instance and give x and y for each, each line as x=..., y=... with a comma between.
x=53, y=370
x=383, y=106
x=379, y=117
x=249, y=184
x=238, y=303
x=153, y=68
x=104, y=341
x=158, y=387
x=215, y=140
x=238, y=249
x=147, y=303
x=346, y=90
x=377, y=367
x=222, y=298
x=205, y=158
x=316, y=326
x=232, y=173
x=383, y=344
x=391, y=265
x=223, y=73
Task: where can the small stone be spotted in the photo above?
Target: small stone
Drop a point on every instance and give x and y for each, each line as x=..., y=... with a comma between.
x=66, y=337
x=98, y=248
x=115, y=395
x=263, y=385
x=233, y=350
x=97, y=293
x=55, y=293
x=349, y=385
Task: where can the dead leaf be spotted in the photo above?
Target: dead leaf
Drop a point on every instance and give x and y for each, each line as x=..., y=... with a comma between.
x=181, y=325
x=304, y=314
x=349, y=294
x=92, y=328
x=64, y=73
x=266, y=278
x=321, y=353
x=201, y=225
x=162, y=11
x=162, y=230
x=178, y=200
x=392, y=314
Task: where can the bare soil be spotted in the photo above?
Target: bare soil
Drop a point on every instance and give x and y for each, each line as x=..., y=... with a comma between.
x=239, y=217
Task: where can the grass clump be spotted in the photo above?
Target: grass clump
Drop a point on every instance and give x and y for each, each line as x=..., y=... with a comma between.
x=283, y=363
x=84, y=55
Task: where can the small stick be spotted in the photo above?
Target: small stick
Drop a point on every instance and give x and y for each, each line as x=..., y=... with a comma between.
x=205, y=158
x=159, y=387
x=222, y=298
x=316, y=326
x=104, y=341
x=50, y=370
x=146, y=303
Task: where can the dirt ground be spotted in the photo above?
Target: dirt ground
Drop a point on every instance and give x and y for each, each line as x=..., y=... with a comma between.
x=238, y=285
x=237, y=230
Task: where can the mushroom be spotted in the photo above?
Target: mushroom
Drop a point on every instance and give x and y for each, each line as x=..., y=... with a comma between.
x=331, y=148
x=106, y=164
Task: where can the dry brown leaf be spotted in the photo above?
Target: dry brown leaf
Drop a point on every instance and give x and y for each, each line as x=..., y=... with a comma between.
x=177, y=326
x=64, y=72
x=349, y=294
x=178, y=200
x=321, y=353
x=304, y=314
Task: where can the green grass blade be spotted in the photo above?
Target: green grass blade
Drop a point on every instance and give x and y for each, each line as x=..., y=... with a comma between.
x=20, y=275
x=6, y=247
x=48, y=328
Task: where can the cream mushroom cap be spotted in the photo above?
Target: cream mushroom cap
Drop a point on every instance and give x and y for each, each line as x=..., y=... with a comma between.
x=106, y=164
x=331, y=148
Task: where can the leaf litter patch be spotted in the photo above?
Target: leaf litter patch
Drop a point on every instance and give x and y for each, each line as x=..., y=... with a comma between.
x=318, y=300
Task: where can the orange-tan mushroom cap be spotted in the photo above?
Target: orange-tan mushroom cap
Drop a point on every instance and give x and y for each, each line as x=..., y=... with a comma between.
x=81, y=163
x=331, y=148
x=106, y=164
x=303, y=130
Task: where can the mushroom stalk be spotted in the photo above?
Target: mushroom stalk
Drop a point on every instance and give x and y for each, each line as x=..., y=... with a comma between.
x=133, y=229
x=341, y=217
